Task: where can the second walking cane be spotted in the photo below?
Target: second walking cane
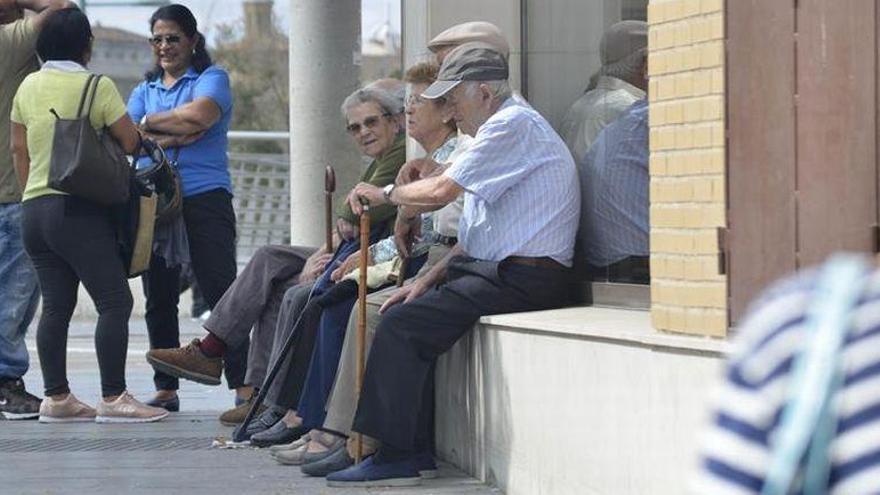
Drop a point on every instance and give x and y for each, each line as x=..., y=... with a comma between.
x=362, y=314
x=329, y=189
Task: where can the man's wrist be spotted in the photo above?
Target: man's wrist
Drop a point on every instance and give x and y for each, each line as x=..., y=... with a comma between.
x=388, y=191
x=143, y=123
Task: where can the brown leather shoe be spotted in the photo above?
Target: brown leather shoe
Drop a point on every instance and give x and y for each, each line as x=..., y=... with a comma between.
x=236, y=415
x=187, y=362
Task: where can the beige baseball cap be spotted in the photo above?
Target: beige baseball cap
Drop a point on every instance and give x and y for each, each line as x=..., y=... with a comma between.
x=466, y=32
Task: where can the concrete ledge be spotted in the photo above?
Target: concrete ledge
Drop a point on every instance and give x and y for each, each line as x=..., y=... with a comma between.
x=580, y=400
x=621, y=325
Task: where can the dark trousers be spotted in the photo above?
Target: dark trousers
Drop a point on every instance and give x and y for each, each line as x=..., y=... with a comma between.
x=299, y=319
x=253, y=301
x=210, y=228
x=328, y=347
x=396, y=401
x=72, y=240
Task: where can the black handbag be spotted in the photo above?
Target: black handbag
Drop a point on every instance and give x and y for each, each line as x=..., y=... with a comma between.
x=162, y=177
x=85, y=162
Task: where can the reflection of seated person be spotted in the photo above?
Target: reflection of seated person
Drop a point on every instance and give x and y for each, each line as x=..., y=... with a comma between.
x=614, y=207
x=619, y=83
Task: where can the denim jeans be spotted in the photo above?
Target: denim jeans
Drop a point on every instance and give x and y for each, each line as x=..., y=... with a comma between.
x=19, y=293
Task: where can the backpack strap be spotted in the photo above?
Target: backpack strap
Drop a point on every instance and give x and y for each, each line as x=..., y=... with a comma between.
x=808, y=423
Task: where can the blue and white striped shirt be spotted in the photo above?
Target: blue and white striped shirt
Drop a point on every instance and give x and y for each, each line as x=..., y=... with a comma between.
x=736, y=450
x=614, y=183
x=522, y=196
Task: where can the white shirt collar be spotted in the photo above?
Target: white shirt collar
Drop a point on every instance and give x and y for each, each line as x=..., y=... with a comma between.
x=64, y=66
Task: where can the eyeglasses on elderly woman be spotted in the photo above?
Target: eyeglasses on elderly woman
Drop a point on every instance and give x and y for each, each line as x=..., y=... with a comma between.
x=370, y=123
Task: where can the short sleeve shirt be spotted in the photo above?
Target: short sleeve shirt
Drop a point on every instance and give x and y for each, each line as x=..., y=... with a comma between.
x=521, y=189
x=17, y=59
x=203, y=165
x=58, y=90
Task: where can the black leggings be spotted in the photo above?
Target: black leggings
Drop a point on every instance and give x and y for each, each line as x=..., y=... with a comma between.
x=72, y=240
x=210, y=228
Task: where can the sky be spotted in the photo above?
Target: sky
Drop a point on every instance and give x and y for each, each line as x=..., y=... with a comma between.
x=210, y=13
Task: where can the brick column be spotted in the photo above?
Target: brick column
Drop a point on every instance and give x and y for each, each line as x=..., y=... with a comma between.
x=686, y=94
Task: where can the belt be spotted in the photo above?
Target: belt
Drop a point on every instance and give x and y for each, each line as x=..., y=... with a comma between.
x=445, y=240
x=543, y=262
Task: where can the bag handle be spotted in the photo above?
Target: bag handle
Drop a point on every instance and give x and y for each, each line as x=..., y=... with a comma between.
x=89, y=91
x=808, y=421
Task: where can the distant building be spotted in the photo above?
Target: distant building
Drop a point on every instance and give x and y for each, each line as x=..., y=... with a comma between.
x=121, y=55
x=381, y=53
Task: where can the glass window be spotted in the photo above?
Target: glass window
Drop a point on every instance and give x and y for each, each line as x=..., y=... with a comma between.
x=563, y=77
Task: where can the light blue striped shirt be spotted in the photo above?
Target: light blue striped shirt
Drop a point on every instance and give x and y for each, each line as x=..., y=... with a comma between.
x=522, y=196
x=737, y=447
x=614, y=183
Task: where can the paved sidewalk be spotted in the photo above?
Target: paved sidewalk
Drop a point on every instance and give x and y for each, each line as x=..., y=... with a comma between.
x=170, y=457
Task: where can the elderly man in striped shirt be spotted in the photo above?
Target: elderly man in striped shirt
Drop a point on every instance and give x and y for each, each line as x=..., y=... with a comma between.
x=516, y=241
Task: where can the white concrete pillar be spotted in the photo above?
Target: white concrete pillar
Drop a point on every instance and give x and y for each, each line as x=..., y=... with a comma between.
x=324, y=68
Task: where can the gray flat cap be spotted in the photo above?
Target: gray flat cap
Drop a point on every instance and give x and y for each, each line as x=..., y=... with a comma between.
x=622, y=40
x=469, y=62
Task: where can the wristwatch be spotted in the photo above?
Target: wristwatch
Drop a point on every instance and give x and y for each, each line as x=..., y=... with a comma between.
x=387, y=190
x=143, y=122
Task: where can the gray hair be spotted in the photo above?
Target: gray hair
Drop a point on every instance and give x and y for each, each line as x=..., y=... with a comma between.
x=500, y=89
x=388, y=96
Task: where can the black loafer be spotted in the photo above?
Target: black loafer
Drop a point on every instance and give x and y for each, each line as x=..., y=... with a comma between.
x=264, y=421
x=170, y=405
x=336, y=461
x=279, y=433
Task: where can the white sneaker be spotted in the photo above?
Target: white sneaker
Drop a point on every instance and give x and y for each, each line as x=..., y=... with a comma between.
x=68, y=410
x=127, y=409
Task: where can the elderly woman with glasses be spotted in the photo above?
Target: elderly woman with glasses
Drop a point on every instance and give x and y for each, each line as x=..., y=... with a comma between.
x=185, y=104
x=373, y=117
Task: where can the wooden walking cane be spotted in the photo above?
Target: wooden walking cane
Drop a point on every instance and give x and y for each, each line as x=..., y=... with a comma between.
x=329, y=189
x=362, y=315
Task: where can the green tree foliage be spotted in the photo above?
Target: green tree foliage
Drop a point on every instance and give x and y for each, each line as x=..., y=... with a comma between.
x=257, y=68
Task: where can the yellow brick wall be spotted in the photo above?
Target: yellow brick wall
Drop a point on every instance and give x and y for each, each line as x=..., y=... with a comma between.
x=686, y=94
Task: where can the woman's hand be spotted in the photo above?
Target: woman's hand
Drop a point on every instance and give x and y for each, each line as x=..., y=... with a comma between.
x=374, y=195
x=406, y=293
x=349, y=265
x=405, y=232
x=417, y=169
x=314, y=267
x=346, y=230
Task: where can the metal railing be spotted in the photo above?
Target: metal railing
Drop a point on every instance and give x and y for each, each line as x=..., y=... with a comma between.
x=261, y=183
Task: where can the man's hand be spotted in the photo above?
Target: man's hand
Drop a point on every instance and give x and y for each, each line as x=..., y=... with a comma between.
x=345, y=230
x=374, y=196
x=418, y=169
x=314, y=267
x=405, y=232
x=347, y=266
x=406, y=293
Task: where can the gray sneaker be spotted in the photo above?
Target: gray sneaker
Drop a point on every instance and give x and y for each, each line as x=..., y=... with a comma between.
x=16, y=402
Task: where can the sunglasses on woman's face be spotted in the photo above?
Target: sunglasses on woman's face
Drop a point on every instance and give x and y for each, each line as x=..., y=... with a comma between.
x=369, y=123
x=171, y=39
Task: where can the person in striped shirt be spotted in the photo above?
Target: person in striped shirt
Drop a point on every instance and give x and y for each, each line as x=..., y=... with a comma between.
x=740, y=440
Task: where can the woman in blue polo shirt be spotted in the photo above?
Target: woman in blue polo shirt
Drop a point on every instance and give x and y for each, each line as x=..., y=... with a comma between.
x=185, y=103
